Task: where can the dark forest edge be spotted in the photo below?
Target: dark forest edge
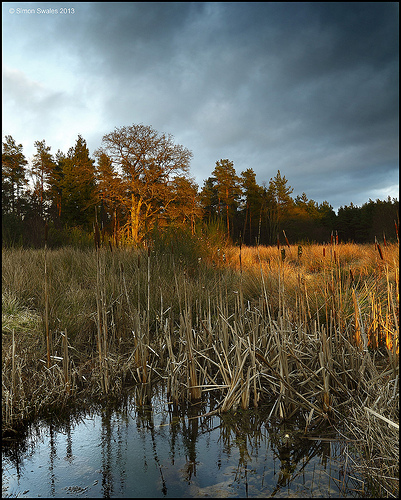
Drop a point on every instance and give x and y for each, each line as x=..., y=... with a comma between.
x=139, y=185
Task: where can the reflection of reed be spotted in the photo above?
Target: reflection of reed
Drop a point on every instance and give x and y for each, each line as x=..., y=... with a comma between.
x=246, y=434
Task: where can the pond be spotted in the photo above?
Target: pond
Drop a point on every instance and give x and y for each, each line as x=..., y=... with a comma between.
x=160, y=451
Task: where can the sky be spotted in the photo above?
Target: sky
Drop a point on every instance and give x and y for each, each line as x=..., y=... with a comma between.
x=310, y=89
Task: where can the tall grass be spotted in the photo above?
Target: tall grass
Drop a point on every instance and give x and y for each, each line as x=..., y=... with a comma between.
x=313, y=332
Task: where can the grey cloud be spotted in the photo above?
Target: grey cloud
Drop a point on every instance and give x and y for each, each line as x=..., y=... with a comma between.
x=304, y=87
x=37, y=101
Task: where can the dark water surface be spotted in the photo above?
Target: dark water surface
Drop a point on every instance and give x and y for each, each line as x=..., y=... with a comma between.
x=157, y=452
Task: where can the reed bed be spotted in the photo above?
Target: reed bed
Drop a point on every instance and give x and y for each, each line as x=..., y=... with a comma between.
x=311, y=331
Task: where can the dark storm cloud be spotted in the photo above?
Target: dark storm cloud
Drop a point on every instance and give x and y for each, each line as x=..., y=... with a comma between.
x=307, y=88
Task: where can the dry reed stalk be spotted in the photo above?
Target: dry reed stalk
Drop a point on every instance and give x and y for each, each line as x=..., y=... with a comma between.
x=105, y=334
x=193, y=385
x=101, y=314
x=66, y=363
x=264, y=287
x=47, y=302
x=357, y=337
x=388, y=421
x=148, y=303
x=138, y=282
x=326, y=383
x=13, y=386
x=245, y=391
x=233, y=396
x=302, y=400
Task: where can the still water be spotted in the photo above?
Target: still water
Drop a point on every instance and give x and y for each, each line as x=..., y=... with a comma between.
x=161, y=452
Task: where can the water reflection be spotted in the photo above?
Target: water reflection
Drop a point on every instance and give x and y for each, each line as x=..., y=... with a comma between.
x=164, y=451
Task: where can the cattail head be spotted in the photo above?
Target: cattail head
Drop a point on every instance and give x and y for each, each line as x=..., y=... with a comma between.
x=46, y=231
x=286, y=239
x=380, y=251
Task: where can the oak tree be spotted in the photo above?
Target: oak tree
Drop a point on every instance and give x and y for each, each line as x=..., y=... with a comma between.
x=147, y=163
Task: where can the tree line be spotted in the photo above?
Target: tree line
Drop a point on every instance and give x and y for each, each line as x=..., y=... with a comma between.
x=139, y=182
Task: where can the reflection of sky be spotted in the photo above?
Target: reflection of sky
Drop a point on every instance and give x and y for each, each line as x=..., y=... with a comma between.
x=120, y=458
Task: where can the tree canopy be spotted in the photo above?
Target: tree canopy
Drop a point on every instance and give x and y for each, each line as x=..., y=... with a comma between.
x=149, y=167
x=139, y=181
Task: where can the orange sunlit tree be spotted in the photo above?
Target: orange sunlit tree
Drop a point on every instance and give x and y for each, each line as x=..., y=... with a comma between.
x=147, y=169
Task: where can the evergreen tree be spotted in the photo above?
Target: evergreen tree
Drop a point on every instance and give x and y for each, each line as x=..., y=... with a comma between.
x=253, y=203
x=278, y=204
x=42, y=169
x=13, y=175
x=78, y=186
x=209, y=198
x=228, y=190
x=110, y=192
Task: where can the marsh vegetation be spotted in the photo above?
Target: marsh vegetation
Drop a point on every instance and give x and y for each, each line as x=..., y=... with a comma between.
x=306, y=331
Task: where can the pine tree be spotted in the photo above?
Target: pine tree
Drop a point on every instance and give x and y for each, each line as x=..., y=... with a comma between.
x=209, y=199
x=253, y=201
x=42, y=169
x=228, y=190
x=110, y=192
x=78, y=186
x=13, y=175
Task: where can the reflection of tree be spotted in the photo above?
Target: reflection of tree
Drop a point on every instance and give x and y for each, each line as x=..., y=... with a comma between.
x=291, y=449
x=245, y=434
x=189, y=421
x=190, y=428
x=52, y=457
x=145, y=420
x=242, y=430
x=107, y=450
